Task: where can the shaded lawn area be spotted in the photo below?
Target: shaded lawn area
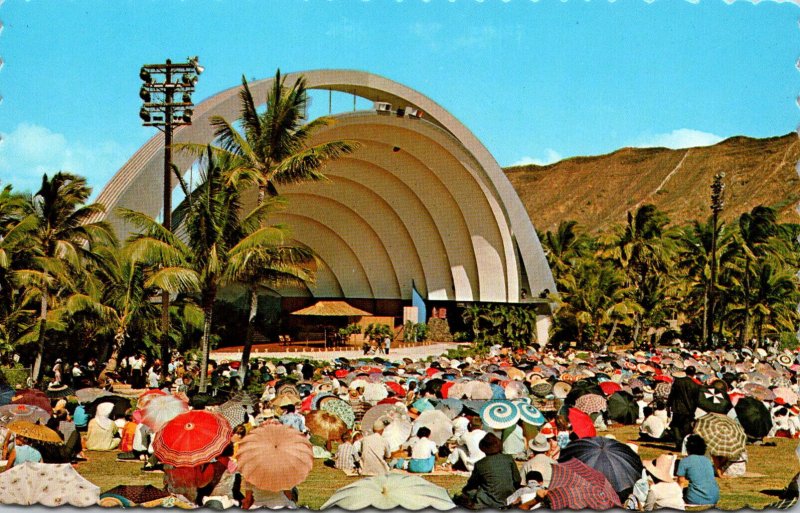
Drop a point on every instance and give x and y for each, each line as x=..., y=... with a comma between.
x=778, y=465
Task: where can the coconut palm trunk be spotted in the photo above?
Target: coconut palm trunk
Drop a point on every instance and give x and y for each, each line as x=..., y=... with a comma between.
x=37, y=366
x=251, y=329
x=208, y=311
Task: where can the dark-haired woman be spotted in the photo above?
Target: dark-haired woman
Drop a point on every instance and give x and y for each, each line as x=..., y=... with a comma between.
x=696, y=473
x=494, y=478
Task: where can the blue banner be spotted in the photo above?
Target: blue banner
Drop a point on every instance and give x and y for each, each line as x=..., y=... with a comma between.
x=416, y=300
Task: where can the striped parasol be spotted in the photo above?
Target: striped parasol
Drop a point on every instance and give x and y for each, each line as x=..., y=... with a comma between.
x=541, y=389
x=234, y=411
x=192, y=438
x=500, y=414
x=723, y=436
x=574, y=485
x=591, y=403
x=662, y=390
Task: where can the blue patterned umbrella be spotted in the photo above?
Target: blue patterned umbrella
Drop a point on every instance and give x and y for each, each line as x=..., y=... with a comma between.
x=500, y=414
x=530, y=414
x=498, y=392
x=319, y=397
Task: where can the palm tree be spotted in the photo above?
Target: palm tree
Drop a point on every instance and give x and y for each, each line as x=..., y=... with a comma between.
x=63, y=237
x=775, y=300
x=563, y=246
x=273, y=146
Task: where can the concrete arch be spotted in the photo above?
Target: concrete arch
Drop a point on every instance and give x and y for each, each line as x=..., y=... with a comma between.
x=392, y=232
x=501, y=245
x=357, y=233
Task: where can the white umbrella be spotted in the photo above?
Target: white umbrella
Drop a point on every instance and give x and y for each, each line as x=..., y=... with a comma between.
x=391, y=491
x=479, y=390
x=47, y=484
x=396, y=433
x=162, y=409
x=440, y=425
x=374, y=392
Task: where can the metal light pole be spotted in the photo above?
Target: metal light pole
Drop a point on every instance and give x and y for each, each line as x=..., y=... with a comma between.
x=162, y=111
x=717, y=203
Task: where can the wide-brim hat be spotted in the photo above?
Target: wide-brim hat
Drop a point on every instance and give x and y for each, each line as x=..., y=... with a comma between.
x=661, y=467
x=539, y=443
x=785, y=360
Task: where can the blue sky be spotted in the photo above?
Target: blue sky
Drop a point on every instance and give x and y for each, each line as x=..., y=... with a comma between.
x=535, y=81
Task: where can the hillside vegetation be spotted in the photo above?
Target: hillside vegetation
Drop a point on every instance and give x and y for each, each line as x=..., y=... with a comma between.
x=598, y=191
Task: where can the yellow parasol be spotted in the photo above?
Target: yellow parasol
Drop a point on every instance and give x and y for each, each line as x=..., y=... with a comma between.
x=34, y=431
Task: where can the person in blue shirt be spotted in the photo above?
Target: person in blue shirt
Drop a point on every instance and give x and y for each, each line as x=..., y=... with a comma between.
x=80, y=418
x=292, y=419
x=22, y=452
x=696, y=473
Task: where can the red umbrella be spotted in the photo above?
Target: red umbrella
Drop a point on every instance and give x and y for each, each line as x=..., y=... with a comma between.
x=582, y=424
x=445, y=390
x=610, y=387
x=664, y=378
x=575, y=485
x=396, y=387
x=192, y=438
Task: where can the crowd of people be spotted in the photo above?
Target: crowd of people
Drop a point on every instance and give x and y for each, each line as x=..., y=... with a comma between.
x=511, y=422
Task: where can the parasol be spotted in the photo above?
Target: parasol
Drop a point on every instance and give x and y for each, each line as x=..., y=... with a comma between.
x=87, y=395
x=582, y=424
x=243, y=397
x=541, y=389
x=787, y=394
x=760, y=392
x=33, y=431
x=148, y=396
x=714, y=400
x=325, y=424
x=618, y=462
x=374, y=392
x=451, y=407
x=516, y=390
x=574, y=485
x=723, y=436
x=397, y=432
x=341, y=409
x=121, y=405
x=529, y=414
x=499, y=414
x=662, y=390
x=440, y=425
x=32, y=398
x=591, y=403
x=610, y=387
x=234, y=411
x=754, y=417
x=58, y=392
x=47, y=484
x=192, y=438
x=131, y=495
x=161, y=410
x=263, y=447
x=622, y=408
x=391, y=491
x=12, y=412
x=478, y=390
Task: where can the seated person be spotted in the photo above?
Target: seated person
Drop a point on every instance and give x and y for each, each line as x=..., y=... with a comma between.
x=526, y=495
x=22, y=452
x=423, y=454
x=696, y=474
x=346, y=454
x=663, y=492
x=494, y=478
x=539, y=461
x=80, y=418
x=102, y=432
x=654, y=425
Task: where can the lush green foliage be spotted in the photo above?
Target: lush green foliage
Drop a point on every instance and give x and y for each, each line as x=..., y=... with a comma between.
x=646, y=278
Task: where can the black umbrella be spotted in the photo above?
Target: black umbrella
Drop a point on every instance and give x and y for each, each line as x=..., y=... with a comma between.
x=714, y=400
x=581, y=388
x=434, y=386
x=618, y=462
x=754, y=417
x=121, y=405
x=622, y=408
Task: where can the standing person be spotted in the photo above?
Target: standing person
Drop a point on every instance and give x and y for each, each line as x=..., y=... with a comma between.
x=682, y=401
x=375, y=451
x=137, y=371
x=387, y=344
x=77, y=374
x=494, y=479
x=57, y=372
x=153, y=374
x=696, y=473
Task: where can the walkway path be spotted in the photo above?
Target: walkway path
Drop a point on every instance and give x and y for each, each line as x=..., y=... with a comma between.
x=415, y=352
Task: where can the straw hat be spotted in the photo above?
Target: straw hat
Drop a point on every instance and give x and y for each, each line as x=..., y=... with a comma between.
x=661, y=467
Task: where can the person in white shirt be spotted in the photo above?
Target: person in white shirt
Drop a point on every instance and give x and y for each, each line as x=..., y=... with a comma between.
x=539, y=462
x=664, y=491
x=423, y=454
x=654, y=425
x=468, y=452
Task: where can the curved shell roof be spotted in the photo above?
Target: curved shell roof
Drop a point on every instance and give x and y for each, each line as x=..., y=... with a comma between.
x=421, y=199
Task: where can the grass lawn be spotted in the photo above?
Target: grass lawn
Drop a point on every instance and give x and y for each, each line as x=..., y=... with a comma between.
x=777, y=464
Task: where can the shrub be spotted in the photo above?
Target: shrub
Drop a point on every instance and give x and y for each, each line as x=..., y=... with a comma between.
x=439, y=330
